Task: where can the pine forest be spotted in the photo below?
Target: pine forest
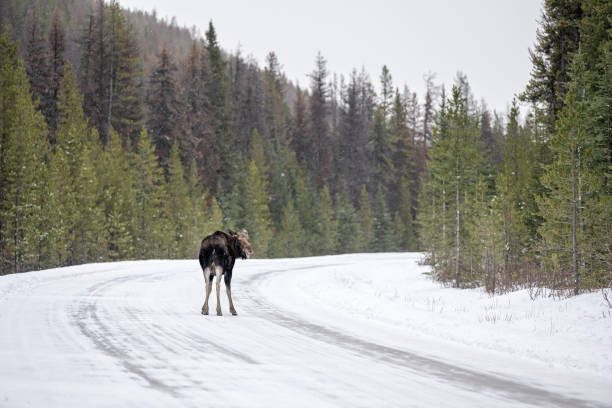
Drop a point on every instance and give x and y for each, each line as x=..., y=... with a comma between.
x=124, y=136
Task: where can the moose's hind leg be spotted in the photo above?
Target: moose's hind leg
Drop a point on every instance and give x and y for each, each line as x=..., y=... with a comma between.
x=219, y=272
x=207, y=279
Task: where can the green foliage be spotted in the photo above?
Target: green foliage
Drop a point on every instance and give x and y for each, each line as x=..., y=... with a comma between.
x=366, y=221
x=22, y=151
x=456, y=160
x=119, y=204
x=383, y=234
x=177, y=205
x=251, y=209
x=348, y=225
x=150, y=218
x=326, y=225
x=290, y=238
x=494, y=201
x=404, y=224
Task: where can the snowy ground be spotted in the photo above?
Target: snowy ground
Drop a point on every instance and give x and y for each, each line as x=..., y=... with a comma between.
x=352, y=330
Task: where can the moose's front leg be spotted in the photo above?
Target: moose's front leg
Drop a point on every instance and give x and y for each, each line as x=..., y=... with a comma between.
x=228, y=290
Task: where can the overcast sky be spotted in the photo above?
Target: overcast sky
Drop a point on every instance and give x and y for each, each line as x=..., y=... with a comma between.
x=486, y=39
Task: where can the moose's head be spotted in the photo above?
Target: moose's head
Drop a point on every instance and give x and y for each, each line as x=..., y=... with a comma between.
x=243, y=246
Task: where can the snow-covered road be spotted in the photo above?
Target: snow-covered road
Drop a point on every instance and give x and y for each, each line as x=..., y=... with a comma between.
x=351, y=330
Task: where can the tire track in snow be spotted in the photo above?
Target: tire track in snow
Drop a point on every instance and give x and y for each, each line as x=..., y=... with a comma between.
x=119, y=342
x=466, y=378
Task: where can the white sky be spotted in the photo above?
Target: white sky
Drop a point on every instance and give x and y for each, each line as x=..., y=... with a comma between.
x=486, y=39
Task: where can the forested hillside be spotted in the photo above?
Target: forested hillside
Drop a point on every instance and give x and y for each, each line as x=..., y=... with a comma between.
x=125, y=136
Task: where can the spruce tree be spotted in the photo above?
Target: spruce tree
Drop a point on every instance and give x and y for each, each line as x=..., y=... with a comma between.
x=217, y=87
x=566, y=206
x=366, y=221
x=305, y=203
x=290, y=239
x=404, y=218
x=403, y=153
x=319, y=154
x=74, y=175
x=57, y=61
x=251, y=209
x=177, y=205
x=150, y=199
x=198, y=137
x=557, y=40
x=453, y=170
x=164, y=107
x=348, y=234
x=36, y=61
x=381, y=152
x=125, y=111
x=22, y=149
x=119, y=204
x=382, y=232
x=353, y=138
x=326, y=225
x=64, y=201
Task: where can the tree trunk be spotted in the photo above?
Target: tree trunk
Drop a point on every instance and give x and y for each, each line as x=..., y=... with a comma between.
x=574, y=245
x=112, y=74
x=458, y=221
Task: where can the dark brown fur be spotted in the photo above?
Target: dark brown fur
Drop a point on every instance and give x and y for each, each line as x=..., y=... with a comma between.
x=220, y=250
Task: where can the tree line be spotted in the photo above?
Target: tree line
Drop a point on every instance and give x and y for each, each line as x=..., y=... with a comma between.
x=114, y=154
x=539, y=215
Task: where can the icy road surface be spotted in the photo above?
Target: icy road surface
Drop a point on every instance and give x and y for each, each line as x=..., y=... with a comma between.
x=351, y=330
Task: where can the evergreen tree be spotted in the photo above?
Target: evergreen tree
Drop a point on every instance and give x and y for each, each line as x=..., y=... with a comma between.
x=453, y=171
x=557, y=40
x=382, y=231
x=326, y=225
x=386, y=92
x=251, y=209
x=94, y=77
x=217, y=86
x=164, y=109
x=57, y=60
x=300, y=134
x=64, y=202
x=198, y=137
x=381, y=152
x=150, y=198
x=348, y=225
x=119, y=204
x=403, y=153
x=319, y=149
x=74, y=177
x=353, y=138
x=305, y=203
x=36, y=61
x=178, y=205
x=512, y=186
x=569, y=207
x=366, y=221
x=290, y=236
x=22, y=149
x=404, y=223
x=111, y=73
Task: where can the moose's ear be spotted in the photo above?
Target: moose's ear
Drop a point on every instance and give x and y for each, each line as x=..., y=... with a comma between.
x=232, y=232
x=245, y=232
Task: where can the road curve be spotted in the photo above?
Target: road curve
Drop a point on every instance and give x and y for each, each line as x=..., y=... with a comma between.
x=130, y=333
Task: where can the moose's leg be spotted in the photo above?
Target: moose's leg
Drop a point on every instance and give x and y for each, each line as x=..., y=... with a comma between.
x=228, y=290
x=219, y=270
x=207, y=278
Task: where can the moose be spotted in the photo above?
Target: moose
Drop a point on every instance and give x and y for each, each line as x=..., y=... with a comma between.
x=218, y=252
